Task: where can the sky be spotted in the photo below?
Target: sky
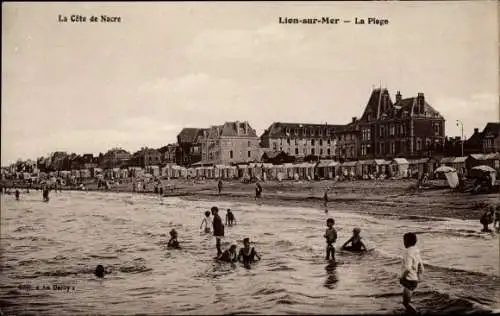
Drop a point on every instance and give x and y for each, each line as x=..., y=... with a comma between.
x=88, y=87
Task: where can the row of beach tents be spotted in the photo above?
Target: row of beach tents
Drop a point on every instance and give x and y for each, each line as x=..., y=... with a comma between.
x=324, y=169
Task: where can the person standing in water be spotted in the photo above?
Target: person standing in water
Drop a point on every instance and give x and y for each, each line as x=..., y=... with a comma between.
x=247, y=255
x=218, y=228
x=325, y=198
x=17, y=194
x=230, y=219
x=206, y=222
x=331, y=238
x=219, y=186
x=413, y=269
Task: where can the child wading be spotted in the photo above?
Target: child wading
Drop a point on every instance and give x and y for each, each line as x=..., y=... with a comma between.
x=331, y=238
x=206, y=222
x=173, y=242
x=413, y=269
x=230, y=219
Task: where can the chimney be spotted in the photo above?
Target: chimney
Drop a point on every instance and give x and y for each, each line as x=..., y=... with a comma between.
x=476, y=130
x=353, y=119
x=421, y=102
x=398, y=97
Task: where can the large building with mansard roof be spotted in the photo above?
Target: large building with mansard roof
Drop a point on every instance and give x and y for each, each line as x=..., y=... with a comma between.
x=408, y=127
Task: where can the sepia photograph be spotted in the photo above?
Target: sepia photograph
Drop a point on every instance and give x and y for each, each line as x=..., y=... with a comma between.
x=264, y=158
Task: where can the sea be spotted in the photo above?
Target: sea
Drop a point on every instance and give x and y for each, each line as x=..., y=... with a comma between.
x=49, y=252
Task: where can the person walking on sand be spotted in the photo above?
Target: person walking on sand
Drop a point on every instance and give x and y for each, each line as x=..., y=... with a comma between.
x=219, y=186
x=413, y=269
x=325, y=198
x=258, y=190
x=218, y=228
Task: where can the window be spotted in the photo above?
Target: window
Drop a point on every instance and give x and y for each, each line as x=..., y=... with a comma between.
x=321, y=142
x=312, y=142
x=381, y=148
x=327, y=132
x=296, y=142
x=419, y=144
x=231, y=154
x=328, y=151
x=296, y=151
x=320, y=132
x=275, y=146
x=312, y=151
x=436, y=129
x=249, y=143
x=249, y=154
x=328, y=142
x=393, y=148
x=288, y=141
x=321, y=152
x=392, y=131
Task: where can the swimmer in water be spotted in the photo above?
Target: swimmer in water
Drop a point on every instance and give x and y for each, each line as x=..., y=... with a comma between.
x=355, y=240
x=230, y=219
x=229, y=255
x=247, y=255
x=99, y=271
x=331, y=238
x=173, y=242
x=206, y=221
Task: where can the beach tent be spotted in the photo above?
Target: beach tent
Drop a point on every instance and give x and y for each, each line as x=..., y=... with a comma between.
x=450, y=174
x=446, y=161
x=363, y=168
x=399, y=167
x=327, y=169
x=482, y=170
x=379, y=166
x=349, y=169
x=459, y=164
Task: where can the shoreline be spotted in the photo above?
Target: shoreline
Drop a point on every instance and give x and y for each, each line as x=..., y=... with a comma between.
x=390, y=198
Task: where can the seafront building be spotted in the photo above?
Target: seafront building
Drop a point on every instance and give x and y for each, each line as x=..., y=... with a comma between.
x=229, y=143
x=301, y=140
x=408, y=127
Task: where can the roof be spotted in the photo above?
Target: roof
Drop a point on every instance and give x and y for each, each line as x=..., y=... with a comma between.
x=380, y=162
x=459, y=159
x=231, y=129
x=364, y=162
x=492, y=156
x=380, y=106
x=446, y=159
x=280, y=130
x=477, y=156
x=400, y=161
x=188, y=135
x=417, y=161
x=349, y=164
x=491, y=129
x=327, y=163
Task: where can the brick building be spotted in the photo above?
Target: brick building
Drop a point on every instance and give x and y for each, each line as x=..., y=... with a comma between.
x=146, y=157
x=188, y=151
x=347, y=138
x=407, y=128
x=301, y=140
x=115, y=158
x=230, y=143
x=491, y=138
x=169, y=153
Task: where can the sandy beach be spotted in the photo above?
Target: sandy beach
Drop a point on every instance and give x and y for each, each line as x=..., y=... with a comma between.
x=370, y=197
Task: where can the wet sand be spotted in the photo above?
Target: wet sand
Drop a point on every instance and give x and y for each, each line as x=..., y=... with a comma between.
x=400, y=197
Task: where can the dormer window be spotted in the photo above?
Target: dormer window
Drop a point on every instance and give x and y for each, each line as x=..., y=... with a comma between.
x=320, y=133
